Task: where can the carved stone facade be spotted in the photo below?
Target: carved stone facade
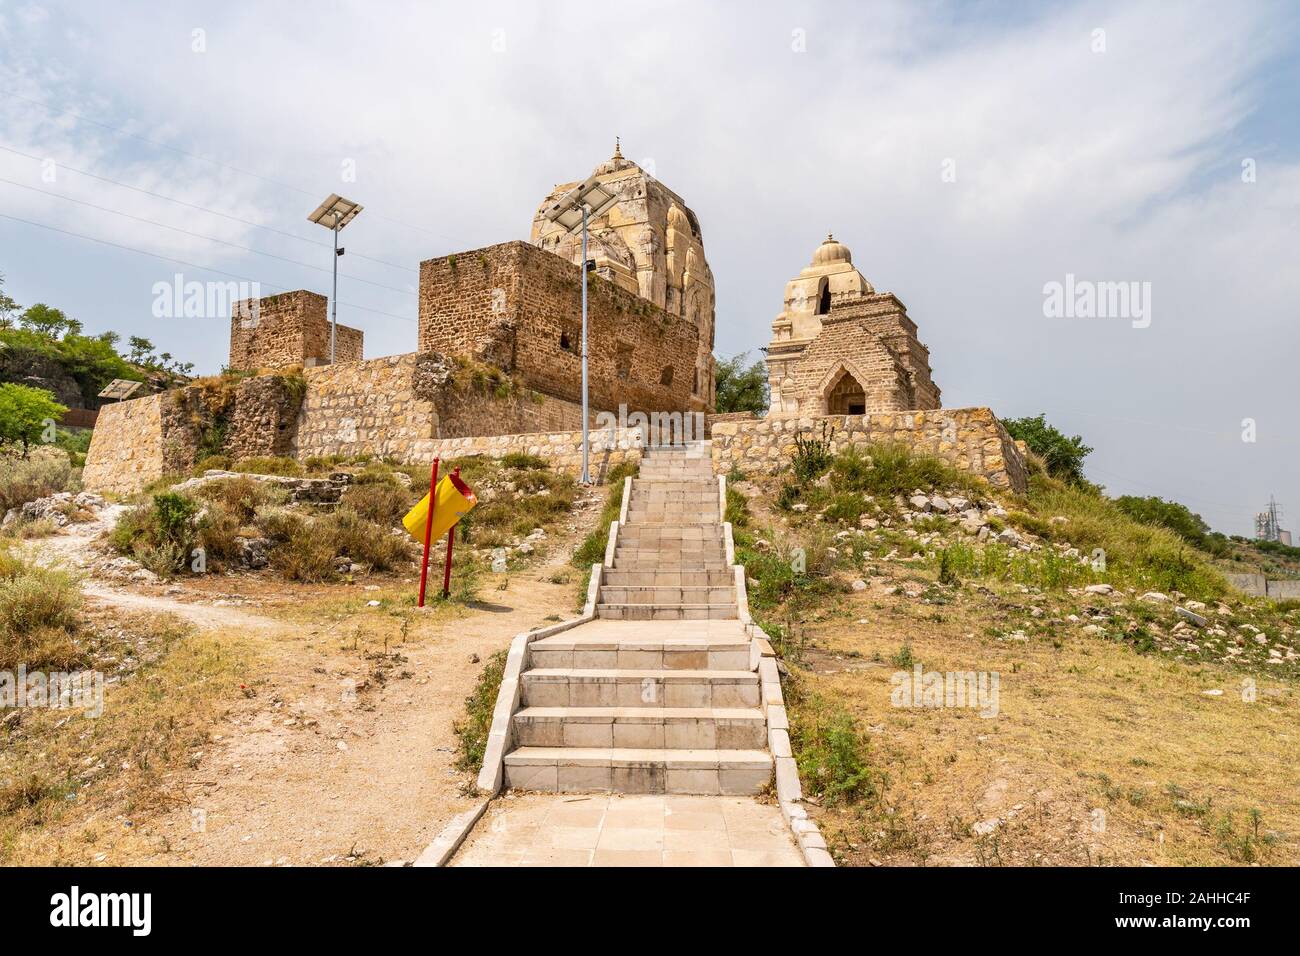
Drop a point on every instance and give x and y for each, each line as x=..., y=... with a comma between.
x=292, y=328
x=842, y=348
x=649, y=243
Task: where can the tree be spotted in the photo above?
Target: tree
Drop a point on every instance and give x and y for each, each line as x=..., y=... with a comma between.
x=141, y=349
x=741, y=387
x=1176, y=517
x=1064, y=456
x=48, y=321
x=8, y=307
x=26, y=413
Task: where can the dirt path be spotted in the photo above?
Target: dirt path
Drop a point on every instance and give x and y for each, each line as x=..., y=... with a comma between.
x=337, y=756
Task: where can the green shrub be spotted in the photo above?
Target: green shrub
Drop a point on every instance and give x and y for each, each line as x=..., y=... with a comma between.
x=26, y=413
x=383, y=502
x=848, y=507
x=830, y=751
x=241, y=497
x=472, y=731
x=365, y=542
x=812, y=455
x=159, y=533
x=270, y=466
x=40, y=617
x=212, y=463
x=1062, y=455
x=892, y=468
x=519, y=459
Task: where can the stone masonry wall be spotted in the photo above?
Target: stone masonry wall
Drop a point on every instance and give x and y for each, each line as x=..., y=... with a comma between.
x=518, y=307
x=126, y=446
x=138, y=441
x=971, y=438
x=293, y=328
x=394, y=406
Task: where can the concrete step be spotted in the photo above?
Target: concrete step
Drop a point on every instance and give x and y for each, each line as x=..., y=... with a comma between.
x=626, y=770
x=638, y=687
x=651, y=561
x=653, y=494
x=667, y=487
x=654, y=594
x=667, y=612
x=579, y=651
x=698, y=577
x=634, y=546
x=660, y=728
x=659, y=517
x=671, y=536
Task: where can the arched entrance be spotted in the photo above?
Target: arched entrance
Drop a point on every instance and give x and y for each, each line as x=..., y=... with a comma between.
x=846, y=396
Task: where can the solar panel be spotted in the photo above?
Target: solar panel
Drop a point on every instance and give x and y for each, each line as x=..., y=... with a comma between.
x=120, y=388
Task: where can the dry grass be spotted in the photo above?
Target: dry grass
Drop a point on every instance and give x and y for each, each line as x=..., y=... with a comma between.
x=65, y=780
x=1083, y=725
x=44, y=472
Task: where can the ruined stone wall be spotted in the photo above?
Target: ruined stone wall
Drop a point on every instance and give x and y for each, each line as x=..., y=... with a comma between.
x=293, y=328
x=971, y=438
x=518, y=307
x=394, y=406
x=608, y=449
x=126, y=451
x=405, y=407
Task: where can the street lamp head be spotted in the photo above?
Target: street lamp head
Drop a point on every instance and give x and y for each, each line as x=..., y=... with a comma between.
x=566, y=211
x=335, y=212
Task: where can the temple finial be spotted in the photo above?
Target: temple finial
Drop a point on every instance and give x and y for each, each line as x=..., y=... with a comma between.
x=618, y=149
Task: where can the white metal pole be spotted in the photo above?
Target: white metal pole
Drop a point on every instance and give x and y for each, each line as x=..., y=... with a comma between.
x=334, y=300
x=586, y=474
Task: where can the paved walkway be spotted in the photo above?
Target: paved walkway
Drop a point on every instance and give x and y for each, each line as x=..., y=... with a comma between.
x=629, y=830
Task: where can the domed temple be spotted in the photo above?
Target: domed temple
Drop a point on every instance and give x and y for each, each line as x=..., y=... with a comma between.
x=842, y=348
x=649, y=243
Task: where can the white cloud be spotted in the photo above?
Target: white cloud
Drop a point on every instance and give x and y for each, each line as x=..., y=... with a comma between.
x=1120, y=165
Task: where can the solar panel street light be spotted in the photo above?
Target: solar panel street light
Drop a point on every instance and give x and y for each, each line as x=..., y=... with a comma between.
x=120, y=388
x=571, y=211
x=335, y=213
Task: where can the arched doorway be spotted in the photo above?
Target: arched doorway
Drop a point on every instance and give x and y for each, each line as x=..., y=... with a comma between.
x=846, y=396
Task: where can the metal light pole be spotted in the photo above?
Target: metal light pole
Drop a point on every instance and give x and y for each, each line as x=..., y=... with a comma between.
x=586, y=440
x=335, y=213
x=334, y=295
x=588, y=200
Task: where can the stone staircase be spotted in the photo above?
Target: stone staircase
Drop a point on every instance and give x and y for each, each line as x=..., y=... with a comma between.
x=660, y=693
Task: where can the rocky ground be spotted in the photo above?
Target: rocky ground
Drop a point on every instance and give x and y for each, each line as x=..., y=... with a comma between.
x=338, y=747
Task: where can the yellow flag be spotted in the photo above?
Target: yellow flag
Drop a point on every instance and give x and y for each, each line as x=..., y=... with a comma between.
x=453, y=501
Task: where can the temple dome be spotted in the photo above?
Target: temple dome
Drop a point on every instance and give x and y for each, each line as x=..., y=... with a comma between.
x=830, y=252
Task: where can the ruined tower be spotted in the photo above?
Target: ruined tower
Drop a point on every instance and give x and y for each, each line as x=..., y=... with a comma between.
x=649, y=243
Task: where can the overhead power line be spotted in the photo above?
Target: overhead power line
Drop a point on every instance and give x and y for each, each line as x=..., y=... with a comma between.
x=200, y=235
x=186, y=262
x=190, y=205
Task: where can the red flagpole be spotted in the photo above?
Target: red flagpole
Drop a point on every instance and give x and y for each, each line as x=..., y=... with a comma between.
x=451, y=537
x=428, y=530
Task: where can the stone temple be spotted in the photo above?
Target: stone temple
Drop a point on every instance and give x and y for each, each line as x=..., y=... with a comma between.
x=497, y=363
x=842, y=348
x=651, y=244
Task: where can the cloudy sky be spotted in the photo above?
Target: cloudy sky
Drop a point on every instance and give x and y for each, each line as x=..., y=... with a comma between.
x=968, y=153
